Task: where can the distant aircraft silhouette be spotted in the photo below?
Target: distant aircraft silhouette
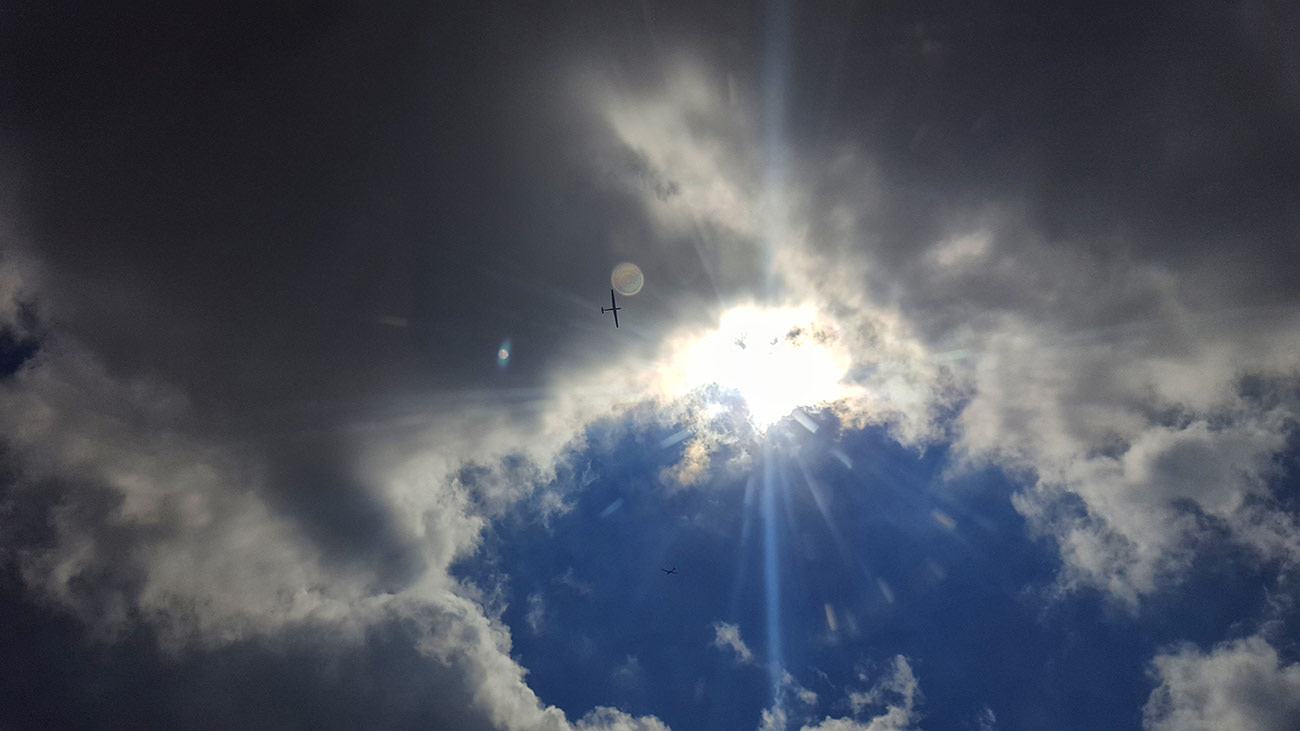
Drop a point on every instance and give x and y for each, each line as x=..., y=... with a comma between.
x=670, y=572
x=612, y=308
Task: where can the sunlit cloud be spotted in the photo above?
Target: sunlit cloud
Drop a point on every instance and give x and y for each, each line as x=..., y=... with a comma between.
x=1138, y=413
x=727, y=636
x=967, y=351
x=1240, y=684
x=775, y=359
x=890, y=704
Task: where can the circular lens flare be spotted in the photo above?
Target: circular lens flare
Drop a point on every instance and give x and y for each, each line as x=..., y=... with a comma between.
x=627, y=278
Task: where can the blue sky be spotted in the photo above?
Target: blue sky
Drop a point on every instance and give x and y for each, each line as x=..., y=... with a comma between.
x=971, y=606
x=956, y=369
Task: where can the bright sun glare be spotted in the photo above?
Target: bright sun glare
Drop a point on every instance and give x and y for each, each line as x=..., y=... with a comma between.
x=775, y=359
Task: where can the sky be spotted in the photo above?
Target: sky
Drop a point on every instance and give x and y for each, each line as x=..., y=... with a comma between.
x=957, y=371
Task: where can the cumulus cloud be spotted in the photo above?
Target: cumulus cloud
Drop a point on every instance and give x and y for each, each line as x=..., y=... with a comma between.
x=1113, y=372
x=1147, y=426
x=1240, y=684
x=196, y=456
x=1131, y=403
x=126, y=512
x=896, y=696
x=727, y=636
x=149, y=522
x=898, y=691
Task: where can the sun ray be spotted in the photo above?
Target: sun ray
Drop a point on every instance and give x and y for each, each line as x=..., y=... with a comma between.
x=771, y=568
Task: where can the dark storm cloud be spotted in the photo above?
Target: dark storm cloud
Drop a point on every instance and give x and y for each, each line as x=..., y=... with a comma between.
x=315, y=484
x=234, y=195
x=232, y=200
x=218, y=209
x=1153, y=134
x=217, y=191
x=300, y=678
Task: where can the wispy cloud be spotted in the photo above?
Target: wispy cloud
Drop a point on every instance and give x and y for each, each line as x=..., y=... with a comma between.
x=536, y=615
x=802, y=694
x=727, y=636
x=892, y=701
x=571, y=582
x=629, y=675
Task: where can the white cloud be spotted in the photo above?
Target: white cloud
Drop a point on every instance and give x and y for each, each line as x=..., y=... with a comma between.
x=686, y=155
x=805, y=696
x=603, y=718
x=726, y=635
x=777, y=718
x=1137, y=448
x=773, y=719
x=896, y=695
x=1238, y=685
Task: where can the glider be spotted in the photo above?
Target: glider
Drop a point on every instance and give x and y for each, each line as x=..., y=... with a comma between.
x=614, y=308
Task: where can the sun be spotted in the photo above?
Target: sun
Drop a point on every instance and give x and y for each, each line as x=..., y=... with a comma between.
x=774, y=359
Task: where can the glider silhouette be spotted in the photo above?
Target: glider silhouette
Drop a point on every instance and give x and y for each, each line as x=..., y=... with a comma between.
x=614, y=308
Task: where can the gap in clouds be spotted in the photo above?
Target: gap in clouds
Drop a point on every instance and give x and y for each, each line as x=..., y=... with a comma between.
x=939, y=568
x=1093, y=203
x=624, y=526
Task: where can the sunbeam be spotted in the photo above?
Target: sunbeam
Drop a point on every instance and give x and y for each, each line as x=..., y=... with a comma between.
x=771, y=568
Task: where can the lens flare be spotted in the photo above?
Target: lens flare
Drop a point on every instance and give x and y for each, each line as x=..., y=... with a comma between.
x=503, y=354
x=627, y=278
